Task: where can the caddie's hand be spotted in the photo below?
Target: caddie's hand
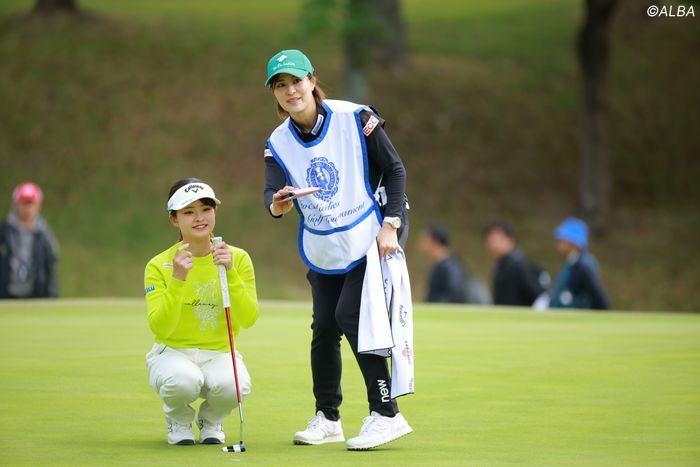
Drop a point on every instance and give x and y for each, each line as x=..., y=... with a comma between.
x=387, y=240
x=280, y=206
x=182, y=262
x=222, y=255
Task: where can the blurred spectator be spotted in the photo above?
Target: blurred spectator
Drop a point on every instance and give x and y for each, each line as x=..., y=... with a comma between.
x=28, y=249
x=578, y=284
x=449, y=281
x=516, y=280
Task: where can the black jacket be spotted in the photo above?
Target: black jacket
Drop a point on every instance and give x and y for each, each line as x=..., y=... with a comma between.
x=44, y=259
x=448, y=282
x=579, y=285
x=514, y=280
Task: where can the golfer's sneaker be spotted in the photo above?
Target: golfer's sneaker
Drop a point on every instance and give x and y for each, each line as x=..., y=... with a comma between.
x=377, y=430
x=320, y=431
x=178, y=433
x=211, y=433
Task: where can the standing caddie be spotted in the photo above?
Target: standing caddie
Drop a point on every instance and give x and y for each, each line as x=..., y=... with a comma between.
x=341, y=148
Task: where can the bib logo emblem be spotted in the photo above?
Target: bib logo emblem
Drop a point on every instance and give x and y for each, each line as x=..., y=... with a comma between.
x=324, y=175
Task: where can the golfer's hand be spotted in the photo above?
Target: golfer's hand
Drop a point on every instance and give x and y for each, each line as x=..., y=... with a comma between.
x=182, y=262
x=387, y=241
x=222, y=255
x=279, y=206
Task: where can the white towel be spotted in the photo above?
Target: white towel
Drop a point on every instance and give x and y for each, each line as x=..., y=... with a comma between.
x=386, y=317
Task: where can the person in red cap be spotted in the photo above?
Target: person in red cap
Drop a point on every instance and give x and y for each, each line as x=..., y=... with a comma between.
x=28, y=248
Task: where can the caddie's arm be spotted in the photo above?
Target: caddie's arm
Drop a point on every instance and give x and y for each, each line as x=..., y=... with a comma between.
x=275, y=187
x=383, y=155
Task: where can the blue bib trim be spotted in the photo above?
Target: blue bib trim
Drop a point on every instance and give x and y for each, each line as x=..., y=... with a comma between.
x=326, y=124
x=327, y=271
x=340, y=229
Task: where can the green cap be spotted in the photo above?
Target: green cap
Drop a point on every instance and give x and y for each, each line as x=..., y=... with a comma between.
x=292, y=61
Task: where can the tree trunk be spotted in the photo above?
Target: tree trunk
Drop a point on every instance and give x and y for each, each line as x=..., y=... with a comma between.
x=55, y=6
x=360, y=18
x=593, y=54
x=392, y=48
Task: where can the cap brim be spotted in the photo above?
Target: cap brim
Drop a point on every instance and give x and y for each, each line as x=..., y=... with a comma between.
x=291, y=71
x=27, y=199
x=189, y=201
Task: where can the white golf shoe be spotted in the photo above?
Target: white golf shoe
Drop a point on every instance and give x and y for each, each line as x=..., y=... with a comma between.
x=211, y=433
x=179, y=433
x=377, y=430
x=320, y=431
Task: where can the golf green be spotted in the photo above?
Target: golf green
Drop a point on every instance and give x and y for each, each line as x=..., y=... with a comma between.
x=494, y=386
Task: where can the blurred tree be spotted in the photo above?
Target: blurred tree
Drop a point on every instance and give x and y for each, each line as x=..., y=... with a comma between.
x=55, y=6
x=360, y=20
x=372, y=30
x=393, y=52
x=593, y=54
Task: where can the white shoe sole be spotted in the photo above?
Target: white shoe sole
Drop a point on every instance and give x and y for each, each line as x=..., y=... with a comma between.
x=398, y=435
x=331, y=439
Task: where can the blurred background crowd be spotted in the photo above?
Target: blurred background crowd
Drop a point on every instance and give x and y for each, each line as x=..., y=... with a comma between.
x=573, y=121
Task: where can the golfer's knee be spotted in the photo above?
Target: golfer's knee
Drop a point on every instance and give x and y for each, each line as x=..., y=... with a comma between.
x=226, y=391
x=180, y=387
x=246, y=388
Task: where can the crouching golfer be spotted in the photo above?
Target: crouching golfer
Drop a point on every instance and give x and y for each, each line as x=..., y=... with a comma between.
x=191, y=356
x=341, y=148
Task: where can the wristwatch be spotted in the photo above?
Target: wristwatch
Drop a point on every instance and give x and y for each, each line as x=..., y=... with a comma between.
x=395, y=222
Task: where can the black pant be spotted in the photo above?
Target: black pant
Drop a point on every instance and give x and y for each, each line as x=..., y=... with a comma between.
x=336, y=312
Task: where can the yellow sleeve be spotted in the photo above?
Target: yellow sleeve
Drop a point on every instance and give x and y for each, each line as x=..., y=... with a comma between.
x=163, y=301
x=241, y=283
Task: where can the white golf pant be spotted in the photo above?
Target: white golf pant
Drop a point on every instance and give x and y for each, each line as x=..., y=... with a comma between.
x=180, y=376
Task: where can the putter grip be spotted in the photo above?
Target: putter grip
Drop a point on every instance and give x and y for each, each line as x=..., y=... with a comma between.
x=223, y=279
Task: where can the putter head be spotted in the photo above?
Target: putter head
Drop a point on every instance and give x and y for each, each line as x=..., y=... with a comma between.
x=240, y=447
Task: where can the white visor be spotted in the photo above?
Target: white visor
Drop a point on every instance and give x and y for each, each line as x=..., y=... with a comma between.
x=190, y=193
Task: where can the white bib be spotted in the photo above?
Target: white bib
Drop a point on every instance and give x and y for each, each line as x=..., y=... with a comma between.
x=337, y=224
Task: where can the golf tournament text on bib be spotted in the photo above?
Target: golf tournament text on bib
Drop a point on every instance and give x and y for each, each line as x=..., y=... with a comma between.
x=338, y=223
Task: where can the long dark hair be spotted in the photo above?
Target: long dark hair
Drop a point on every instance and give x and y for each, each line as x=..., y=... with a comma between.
x=186, y=181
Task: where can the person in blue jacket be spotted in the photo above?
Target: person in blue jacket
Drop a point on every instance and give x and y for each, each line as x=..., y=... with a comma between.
x=578, y=284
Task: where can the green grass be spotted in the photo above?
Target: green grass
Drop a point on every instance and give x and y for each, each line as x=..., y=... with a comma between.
x=105, y=115
x=494, y=387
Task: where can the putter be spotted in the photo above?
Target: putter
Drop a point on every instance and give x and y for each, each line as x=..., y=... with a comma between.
x=226, y=299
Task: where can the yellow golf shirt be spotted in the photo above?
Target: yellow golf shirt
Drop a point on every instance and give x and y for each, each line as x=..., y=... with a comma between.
x=189, y=313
